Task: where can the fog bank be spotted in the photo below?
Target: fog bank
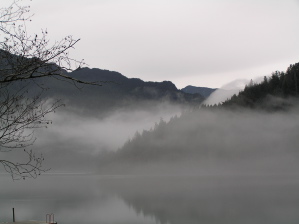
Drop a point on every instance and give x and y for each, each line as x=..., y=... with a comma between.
x=73, y=141
x=214, y=142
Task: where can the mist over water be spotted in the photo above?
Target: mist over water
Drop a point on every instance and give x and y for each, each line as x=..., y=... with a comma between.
x=152, y=200
x=137, y=152
x=73, y=142
x=215, y=142
x=202, y=166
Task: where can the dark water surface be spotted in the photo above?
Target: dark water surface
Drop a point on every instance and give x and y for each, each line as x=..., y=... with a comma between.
x=94, y=199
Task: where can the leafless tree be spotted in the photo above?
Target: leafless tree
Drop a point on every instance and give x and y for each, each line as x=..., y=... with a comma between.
x=25, y=58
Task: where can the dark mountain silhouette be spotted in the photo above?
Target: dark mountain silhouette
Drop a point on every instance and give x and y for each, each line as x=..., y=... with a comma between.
x=117, y=91
x=204, y=91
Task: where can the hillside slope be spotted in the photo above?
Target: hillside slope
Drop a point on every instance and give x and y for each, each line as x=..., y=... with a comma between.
x=116, y=92
x=277, y=92
x=236, y=137
x=204, y=91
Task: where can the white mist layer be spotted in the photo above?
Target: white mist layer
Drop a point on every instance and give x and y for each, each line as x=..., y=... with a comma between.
x=73, y=141
x=226, y=91
x=220, y=142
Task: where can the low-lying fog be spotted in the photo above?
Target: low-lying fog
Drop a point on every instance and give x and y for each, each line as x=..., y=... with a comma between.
x=194, y=143
x=73, y=141
x=223, y=166
x=215, y=142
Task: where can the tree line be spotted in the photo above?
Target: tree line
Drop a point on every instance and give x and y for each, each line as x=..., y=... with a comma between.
x=280, y=85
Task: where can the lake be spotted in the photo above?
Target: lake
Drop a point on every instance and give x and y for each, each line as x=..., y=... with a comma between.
x=88, y=199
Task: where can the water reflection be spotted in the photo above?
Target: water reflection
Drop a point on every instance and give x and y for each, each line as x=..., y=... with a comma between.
x=212, y=199
x=72, y=198
x=173, y=200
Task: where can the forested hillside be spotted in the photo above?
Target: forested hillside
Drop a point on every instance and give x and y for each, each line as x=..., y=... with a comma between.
x=235, y=133
x=273, y=93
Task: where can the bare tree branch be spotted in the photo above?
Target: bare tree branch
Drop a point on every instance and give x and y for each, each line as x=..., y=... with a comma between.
x=23, y=59
x=31, y=168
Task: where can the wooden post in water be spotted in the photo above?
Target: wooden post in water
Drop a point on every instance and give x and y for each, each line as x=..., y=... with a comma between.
x=13, y=215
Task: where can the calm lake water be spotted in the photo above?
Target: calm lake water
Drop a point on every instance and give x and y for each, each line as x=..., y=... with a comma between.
x=94, y=199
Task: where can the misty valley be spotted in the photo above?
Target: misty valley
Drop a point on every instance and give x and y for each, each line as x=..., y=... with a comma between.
x=200, y=127
x=146, y=152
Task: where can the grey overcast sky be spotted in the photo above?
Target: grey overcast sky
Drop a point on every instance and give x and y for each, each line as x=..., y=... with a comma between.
x=197, y=42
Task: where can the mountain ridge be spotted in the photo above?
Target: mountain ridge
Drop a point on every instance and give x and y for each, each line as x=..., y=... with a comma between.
x=204, y=91
x=116, y=91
